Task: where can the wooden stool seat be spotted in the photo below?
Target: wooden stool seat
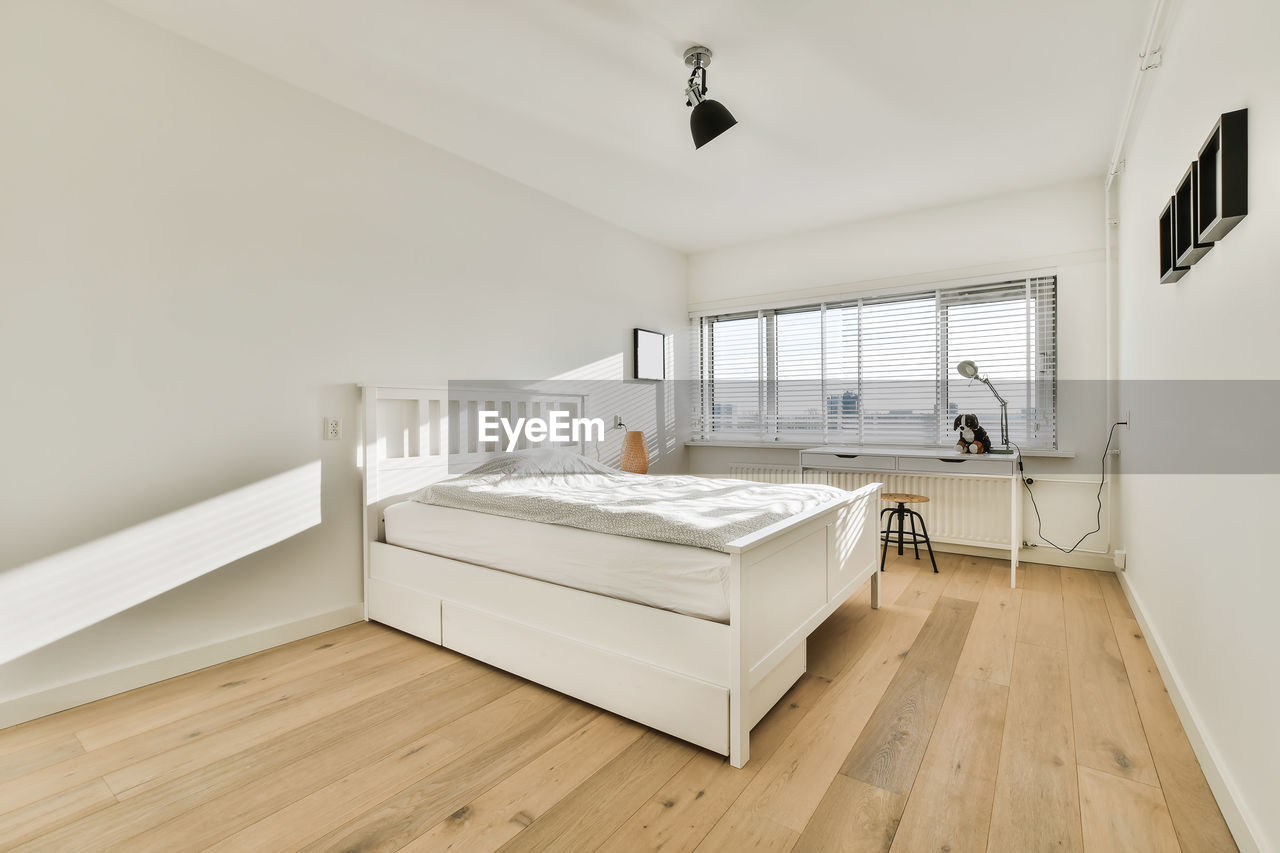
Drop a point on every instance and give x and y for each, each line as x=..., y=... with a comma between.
x=903, y=498
x=903, y=516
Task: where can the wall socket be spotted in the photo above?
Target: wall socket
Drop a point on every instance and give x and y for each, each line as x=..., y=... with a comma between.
x=332, y=429
x=617, y=421
x=1121, y=558
x=1128, y=419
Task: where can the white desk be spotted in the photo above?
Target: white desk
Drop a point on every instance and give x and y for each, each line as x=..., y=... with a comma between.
x=927, y=460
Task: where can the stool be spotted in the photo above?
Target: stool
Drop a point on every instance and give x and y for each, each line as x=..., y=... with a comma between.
x=902, y=514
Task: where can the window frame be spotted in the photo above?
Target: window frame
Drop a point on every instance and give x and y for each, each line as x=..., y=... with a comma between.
x=1041, y=376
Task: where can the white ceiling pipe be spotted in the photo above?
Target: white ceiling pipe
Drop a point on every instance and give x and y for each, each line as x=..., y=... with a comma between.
x=1163, y=15
x=1150, y=57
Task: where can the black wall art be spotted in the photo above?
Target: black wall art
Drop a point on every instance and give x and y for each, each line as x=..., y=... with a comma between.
x=650, y=357
x=1211, y=199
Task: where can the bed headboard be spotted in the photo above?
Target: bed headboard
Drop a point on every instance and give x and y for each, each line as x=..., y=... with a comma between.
x=413, y=436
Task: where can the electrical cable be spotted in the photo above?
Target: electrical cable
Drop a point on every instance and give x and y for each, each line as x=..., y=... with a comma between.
x=1026, y=484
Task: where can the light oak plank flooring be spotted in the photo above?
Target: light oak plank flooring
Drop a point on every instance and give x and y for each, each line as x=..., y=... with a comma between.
x=1120, y=816
x=1109, y=731
x=1195, y=814
x=1037, y=803
x=962, y=715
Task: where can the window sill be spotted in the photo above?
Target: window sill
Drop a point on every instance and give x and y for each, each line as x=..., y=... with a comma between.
x=792, y=445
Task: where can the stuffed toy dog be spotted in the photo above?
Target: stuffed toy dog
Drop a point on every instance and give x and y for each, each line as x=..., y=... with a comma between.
x=973, y=438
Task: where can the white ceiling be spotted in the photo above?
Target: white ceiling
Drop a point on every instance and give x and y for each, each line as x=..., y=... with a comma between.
x=846, y=110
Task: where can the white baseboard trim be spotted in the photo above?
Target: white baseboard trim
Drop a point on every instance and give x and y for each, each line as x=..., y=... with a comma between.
x=64, y=696
x=1241, y=822
x=1044, y=555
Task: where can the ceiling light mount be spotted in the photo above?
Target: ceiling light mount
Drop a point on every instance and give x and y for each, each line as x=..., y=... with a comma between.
x=709, y=118
x=697, y=56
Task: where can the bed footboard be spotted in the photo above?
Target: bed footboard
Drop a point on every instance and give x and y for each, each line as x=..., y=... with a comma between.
x=784, y=581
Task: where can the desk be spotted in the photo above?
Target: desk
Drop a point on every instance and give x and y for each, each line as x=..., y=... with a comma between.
x=927, y=460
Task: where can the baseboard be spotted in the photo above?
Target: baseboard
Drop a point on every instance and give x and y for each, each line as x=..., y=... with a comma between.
x=1046, y=556
x=1238, y=818
x=64, y=696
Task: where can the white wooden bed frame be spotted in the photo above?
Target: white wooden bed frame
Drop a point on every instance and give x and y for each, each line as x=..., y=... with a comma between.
x=704, y=682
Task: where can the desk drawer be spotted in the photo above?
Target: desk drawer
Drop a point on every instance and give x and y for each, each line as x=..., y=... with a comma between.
x=972, y=464
x=848, y=461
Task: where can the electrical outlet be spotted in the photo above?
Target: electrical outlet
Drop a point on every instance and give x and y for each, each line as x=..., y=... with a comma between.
x=1121, y=557
x=617, y=421
x=1128, y=419
x=332, y=429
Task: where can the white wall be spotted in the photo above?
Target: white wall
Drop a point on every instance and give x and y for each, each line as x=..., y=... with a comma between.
x=196, y=264
x=1202, y=562
x=1059, y=227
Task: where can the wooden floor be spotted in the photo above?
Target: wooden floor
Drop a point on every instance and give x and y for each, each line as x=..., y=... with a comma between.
x=961, y=716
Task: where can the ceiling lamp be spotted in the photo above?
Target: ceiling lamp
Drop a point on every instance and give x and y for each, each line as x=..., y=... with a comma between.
x=709, y=119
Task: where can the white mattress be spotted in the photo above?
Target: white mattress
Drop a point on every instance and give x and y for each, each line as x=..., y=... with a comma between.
x=692, y=581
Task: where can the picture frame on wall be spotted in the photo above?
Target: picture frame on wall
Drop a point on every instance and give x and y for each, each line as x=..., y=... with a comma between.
x=650, y=355
x=1188, y=248
x=1170, y=270
x=1222, y=197
x=1211, y=199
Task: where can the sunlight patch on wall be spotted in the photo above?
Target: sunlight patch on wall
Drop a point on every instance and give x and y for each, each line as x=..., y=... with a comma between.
x=609, y=367
x=59, y=595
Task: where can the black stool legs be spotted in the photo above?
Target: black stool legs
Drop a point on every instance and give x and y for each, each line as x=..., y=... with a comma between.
x=902, y=515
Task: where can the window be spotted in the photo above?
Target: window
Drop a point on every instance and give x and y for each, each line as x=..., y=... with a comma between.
x=881, y=370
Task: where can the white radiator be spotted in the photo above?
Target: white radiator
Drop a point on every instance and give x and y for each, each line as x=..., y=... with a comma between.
x=963, y=510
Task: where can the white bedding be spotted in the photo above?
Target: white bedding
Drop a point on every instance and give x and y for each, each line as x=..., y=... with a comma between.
x=563, y=488
x=688, y=580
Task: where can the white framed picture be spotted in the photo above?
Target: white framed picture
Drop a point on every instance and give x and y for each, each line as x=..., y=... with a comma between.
x=650, y=355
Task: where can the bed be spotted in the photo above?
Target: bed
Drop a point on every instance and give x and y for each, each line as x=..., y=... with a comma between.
x=679, y=578
x=697, y=642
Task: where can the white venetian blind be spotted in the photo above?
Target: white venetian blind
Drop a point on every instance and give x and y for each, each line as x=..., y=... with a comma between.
x=1009, y=329
x=733, y=374
x=798, y=339
x=881, y=369
x=900, y=370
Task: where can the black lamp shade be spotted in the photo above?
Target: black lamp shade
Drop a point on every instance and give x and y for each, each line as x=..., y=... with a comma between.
x=709, y=120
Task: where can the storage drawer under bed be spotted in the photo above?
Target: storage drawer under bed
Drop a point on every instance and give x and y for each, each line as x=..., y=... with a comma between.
x=407, y=609
x=688, y=708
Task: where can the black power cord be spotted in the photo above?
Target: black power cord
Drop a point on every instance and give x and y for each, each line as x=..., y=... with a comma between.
x=1027, y=481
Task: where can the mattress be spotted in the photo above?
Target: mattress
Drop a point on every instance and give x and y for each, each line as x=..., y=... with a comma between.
x=681, y=578
x=562, y=487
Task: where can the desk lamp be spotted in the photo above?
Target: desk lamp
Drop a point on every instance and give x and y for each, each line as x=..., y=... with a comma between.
x=969, y=370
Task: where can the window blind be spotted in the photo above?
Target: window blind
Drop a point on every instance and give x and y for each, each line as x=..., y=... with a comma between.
x=881, y=369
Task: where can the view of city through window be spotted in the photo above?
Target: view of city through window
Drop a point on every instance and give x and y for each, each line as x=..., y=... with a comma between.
x=882, y=370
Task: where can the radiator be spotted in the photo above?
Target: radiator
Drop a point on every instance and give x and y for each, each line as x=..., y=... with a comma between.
x=963, y=510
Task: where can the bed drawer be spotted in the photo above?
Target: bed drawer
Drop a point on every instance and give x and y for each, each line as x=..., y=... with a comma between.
x=693, y=647
x=847, y=461
x=407, y=609
x=964, y=465
x=685, y=707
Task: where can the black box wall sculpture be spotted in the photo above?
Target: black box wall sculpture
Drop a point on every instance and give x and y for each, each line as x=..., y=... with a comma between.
x=1211, y=199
